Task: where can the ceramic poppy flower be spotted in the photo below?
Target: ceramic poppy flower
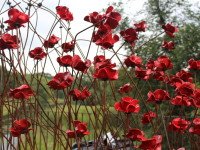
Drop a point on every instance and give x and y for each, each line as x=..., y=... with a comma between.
x=141, y=26
x=65, y=60
x=153, y=143
x=107, y=41
x=104, y=69
x=143, y=74
x=37, y=53
x=80, y=95
x=51, y=41
x=16, y=19
x=80, y=130
x=184, y=76
x=19, y=127
x=126, y=88
x=64, y=13
x=106, y=73
x=60, y=81
x=8, y=41
x=112, y=18
x=22, y=92
x=133, y=61
x=69, y=46
x=147, y=117
x=174, y=80
x=178, y=125
x=127, y=105
x=104, y=37
x=158, y=96
x=102, y=31
x=195, y=129
x=168, y=45
x=135, y=134
x=170, y=29
x=194, y=64
x=130, y=36
x=99, y=58
x=163, y=63
x=94, y=18
x=182, y=101
x=185, y=88
x=150, y=64
x=80, y=65
x=159, y=75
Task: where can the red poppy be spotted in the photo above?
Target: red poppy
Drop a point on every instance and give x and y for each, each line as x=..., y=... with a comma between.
x=128, y=105
x=163, y=63
x=133, y=61
x=16, y=19
x=182, y=101
x=94, y=18
x=150, y=64
x=64, y=13
x=178, y=125
x=80, y=95
x=51, y=41
x=101, y=63
x=99, y=58
x=129, y=35
x=102, y=31
x=80, y=65
x=174, y=80
x=104, y=69
x=159, y=75
x=135, y=135
x=112, y=17
x=8, y=41
x=20, y=127
x=153, y=143
x=184, y=75
x=195, y=129
x=61, y=81
x=194, y=64
x=106, y=73
x=126, y=88
x=65, y=60
x=168, y=45
x=37, y=53
x=142, y=73
x=185, y=88
x=22, y=92
x=107, y=41
x=141, y=26
x=69, y=46
x=170, y=29
x=80, y=130
x=147, y=117
x=158, y=96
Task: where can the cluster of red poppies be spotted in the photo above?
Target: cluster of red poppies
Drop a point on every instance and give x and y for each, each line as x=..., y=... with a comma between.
x=74, y=62
x=105, y=23
x=186, y=92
